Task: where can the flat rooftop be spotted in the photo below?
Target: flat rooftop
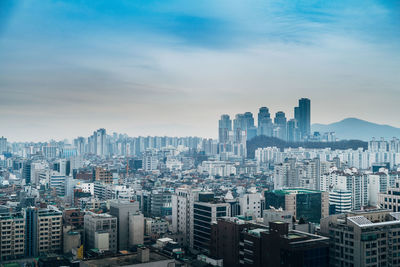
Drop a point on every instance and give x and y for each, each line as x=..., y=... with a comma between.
x=124, y=260
x=295, y=191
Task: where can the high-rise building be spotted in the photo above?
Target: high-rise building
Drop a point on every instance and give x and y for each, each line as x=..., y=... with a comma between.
x=224, y=127
x=366, y=238
x=43, y=231
x=225, y=240
x=304, y=117
x=292, y=131
x=281, y=247
x=12, y=235
x=391, y=199
x=264, y=122
x=136, y=229
x=58, y=183
x=309, y=205
x=280, y=125
x=103, y=175
x=100, y=231
x=355, y=182
x=340, y=201
x=249, y=120
x=160, y=204
x=122, y=210
x=3, y=145
x=204, y=214
x=26, y=172
x=182, y=213
x=276, y=245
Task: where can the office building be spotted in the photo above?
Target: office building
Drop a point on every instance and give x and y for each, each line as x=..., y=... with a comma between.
x=100, y=232
x=122, y=210
x=309, y=205
x=3, y=145
x=136, y=229
x=224, y=127
x=225, y=239
x=265, y=126
x=281, y=247
x=183, y=213
x=204, y=214
x=303, y=117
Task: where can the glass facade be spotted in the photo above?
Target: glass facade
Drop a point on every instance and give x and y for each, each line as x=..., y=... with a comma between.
x=308, y=207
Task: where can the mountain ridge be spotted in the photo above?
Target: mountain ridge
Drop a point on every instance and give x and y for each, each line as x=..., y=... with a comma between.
x=354, y=128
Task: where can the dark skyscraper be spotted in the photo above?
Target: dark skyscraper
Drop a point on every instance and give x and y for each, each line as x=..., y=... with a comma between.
x=303, y=116
x=249, y=120
x=280, y=118
x=263, y=116
x=224, y=126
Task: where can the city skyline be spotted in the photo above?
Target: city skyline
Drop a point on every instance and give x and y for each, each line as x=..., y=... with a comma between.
x=173, y=68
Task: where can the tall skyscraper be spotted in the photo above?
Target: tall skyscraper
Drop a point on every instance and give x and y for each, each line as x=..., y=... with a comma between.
x=249, y=120
x=292, y=131
x=100, y=144
x=280, y=125
x=264, y=122
x=303, y=116
x=224, y=127
x=3, y=145
x=239, y=125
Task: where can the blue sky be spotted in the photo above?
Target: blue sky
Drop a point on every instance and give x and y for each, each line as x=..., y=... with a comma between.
x=173, y=67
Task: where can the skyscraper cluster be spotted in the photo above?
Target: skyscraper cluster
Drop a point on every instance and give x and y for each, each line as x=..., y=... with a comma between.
x=293, y=130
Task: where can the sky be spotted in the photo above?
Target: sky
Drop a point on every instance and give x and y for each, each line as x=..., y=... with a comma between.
x=172, y=67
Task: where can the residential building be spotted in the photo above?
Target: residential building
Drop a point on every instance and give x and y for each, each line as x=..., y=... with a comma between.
x=365, y=238
x=12, y=235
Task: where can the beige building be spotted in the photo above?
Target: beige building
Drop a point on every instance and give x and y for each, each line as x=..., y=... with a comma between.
x=361, y=239
x=49, y=230
x=104, y=175
x=12, y=235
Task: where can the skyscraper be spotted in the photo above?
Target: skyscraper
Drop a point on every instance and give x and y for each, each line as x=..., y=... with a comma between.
x=292, y=131
x=3, y=144
x=280, y=125
x=303, y=116
x=224, y=127
x=249, y=120
x=264, y=122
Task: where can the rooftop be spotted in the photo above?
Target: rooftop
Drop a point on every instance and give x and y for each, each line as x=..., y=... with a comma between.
x=124, y=260
x=295, y=191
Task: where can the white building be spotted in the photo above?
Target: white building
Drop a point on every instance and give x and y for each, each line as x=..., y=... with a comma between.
x=250, y=204
x=341, y=199
x=182, y=213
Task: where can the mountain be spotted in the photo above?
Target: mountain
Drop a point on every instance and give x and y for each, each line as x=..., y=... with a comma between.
x=353, y=128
